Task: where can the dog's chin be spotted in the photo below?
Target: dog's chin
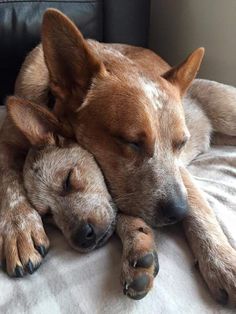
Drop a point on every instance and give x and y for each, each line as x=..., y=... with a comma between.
x=100, y=242
x=165, y=224
x=162, y=223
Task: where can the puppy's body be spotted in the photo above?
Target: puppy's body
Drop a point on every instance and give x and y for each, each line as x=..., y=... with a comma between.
x=123, y=104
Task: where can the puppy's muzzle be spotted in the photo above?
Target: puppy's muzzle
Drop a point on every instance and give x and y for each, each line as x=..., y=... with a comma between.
x=89, y=236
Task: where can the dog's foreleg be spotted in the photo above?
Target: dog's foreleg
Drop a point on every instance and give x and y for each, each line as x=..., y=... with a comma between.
x=139, y=259
x=216, y=258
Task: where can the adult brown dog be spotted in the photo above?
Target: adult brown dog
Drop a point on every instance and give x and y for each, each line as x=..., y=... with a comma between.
x=124, y=105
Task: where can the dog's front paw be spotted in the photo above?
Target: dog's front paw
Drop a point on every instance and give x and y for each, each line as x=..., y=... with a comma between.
x=139, y=266
x=219, y=272
x=23, y=242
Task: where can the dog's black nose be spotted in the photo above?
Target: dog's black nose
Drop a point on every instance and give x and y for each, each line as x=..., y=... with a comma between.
x=85, y=236
x=175, y=212
x=175, y=208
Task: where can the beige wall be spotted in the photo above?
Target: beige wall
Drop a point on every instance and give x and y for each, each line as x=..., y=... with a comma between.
x=180, y=26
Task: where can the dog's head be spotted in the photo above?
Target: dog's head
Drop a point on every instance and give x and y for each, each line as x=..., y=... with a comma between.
x=128, y=117
x=62, y=178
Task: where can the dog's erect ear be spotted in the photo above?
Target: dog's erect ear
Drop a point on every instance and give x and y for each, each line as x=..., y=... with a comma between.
x=38, y=124
x=70, y=61
x=183, y=74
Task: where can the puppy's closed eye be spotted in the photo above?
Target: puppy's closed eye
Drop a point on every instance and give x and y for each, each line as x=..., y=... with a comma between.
x=67, y=187
x=73, y=182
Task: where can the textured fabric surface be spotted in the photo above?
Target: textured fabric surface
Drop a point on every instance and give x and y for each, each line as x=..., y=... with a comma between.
x=69, y=282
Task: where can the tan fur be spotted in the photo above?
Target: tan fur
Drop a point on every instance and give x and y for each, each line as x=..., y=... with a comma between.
x=46, y=168
x=52, y=161
x=107, y=95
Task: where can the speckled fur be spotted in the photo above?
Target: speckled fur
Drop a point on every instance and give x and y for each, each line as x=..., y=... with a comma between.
x=114, y=95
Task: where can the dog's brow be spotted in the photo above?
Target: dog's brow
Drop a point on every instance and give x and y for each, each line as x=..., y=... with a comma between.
x=154, y=94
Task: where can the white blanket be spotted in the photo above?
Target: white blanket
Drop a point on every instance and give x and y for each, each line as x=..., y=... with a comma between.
x=69, y=282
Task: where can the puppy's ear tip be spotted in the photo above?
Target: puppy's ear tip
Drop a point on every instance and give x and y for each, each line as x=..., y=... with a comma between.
x=12, y=101
x=54, y=16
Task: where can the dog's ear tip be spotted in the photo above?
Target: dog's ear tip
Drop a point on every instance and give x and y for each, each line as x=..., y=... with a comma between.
x=201, y=49
x=199, y=52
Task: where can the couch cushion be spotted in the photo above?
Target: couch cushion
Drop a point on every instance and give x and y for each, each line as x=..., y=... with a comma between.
x=20, y=23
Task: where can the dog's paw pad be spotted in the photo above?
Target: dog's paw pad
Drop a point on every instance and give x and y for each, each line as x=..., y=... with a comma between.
x=144, y=262
x=138, y=296
x=140, y=283
x=138, y=288
x=138, y=274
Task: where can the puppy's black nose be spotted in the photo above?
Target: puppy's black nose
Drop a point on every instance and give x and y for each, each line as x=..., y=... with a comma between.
x=85, y=236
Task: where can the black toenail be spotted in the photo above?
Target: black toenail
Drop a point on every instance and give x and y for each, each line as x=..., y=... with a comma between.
x=137, y=296
x=140, y=283
x=42, y=250
x=30, y=267
x=19, y=272
x=144, y=262
x=224, y=297
x=4, y=265
x=156, y=262
x=196, y=264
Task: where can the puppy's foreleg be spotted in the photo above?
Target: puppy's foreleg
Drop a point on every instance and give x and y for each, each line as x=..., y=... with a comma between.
x=23, y=241
x=139, y=260
x=216, y=258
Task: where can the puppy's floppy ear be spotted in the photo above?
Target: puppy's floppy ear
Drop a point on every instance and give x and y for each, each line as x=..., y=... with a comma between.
x=70, y=61
x=183, y=74
x=37, y=123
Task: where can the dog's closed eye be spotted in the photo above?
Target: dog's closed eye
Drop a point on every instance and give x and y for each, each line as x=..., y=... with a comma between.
x=178, y=145
x=135, y=145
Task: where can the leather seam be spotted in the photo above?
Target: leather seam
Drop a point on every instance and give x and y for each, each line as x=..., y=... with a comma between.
x=48, y=1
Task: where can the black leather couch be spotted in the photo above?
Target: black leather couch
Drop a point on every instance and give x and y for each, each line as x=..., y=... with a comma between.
x=124, y=21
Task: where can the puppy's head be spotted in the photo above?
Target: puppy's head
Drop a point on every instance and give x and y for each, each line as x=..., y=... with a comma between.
x=62, y=178
x=128, y=116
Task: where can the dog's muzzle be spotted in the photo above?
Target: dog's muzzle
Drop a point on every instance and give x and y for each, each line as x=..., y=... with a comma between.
x=175, y=208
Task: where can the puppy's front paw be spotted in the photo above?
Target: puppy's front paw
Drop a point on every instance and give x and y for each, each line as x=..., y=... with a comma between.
x=139, y=265
x=23, y=242
x=219, y=272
